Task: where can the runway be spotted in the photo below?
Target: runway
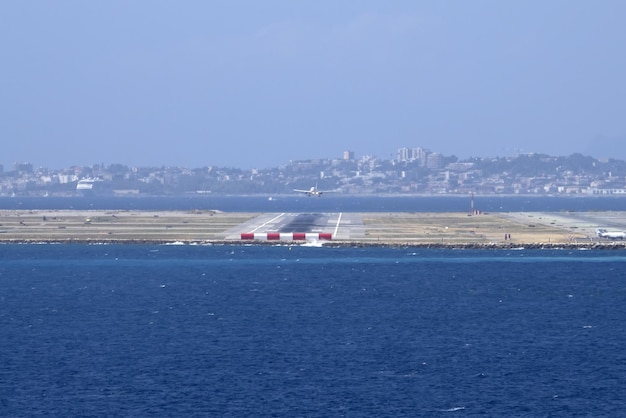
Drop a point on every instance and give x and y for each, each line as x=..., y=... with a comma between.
x=445, y=228
x=340, y=226
x=415, y=228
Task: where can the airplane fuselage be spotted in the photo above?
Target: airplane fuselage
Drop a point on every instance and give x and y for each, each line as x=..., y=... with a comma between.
x=313, y=191
x=603, y=233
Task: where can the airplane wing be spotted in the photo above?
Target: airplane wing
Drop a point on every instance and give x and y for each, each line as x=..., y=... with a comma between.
x=313, y=191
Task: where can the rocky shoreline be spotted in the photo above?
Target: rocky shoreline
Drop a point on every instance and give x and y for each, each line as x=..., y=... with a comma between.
x=339, y=244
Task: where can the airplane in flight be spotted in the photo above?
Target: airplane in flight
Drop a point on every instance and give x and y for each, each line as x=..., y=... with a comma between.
x=313, y=191
x=603, y=233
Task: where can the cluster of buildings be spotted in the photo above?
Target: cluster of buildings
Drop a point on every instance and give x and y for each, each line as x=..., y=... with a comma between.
x=413, y=171
x=422, y=156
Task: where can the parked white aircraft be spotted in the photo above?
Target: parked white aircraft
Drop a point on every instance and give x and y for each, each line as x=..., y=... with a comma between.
x=603, y=233
x=313, y=191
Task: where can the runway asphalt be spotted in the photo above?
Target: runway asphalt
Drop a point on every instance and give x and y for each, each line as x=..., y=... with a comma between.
x=342, y=226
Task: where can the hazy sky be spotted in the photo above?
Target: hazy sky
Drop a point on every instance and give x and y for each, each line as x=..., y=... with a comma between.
x=260, y=83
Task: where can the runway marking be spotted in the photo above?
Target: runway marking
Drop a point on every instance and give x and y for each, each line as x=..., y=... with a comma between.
x=270, y=221
x=337, y=226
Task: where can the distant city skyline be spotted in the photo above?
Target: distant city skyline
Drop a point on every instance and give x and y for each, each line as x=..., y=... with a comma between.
x=402, y=154
x=247, y=84
x=414, y=171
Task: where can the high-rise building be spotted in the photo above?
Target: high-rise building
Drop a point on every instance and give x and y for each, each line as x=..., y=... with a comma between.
x=23, y=167
x=414, y=154
x=403, y=154
x=434, y=160
x=419, y=154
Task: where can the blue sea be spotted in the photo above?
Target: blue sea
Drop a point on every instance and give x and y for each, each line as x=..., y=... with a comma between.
x=292, y=331
x=326, y=203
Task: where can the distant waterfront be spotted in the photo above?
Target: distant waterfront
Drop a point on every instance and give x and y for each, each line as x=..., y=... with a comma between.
x=344, y=203
x=524, y=174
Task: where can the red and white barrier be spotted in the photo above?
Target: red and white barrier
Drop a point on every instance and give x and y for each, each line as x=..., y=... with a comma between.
x=287, y=236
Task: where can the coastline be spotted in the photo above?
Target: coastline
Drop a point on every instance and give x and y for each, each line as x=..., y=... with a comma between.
x=337, y=244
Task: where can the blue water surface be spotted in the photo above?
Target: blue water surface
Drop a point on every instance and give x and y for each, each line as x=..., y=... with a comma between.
x=326, y=203
x=139, y=330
